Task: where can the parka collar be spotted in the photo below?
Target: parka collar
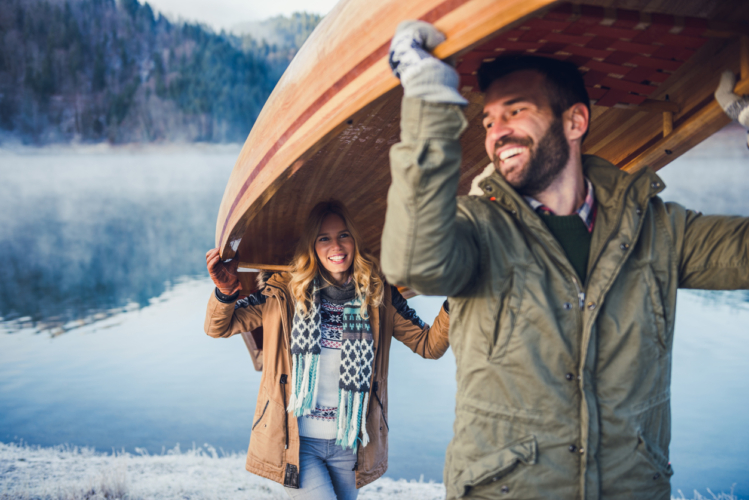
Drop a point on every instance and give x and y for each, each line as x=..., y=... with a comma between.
x=610, y=183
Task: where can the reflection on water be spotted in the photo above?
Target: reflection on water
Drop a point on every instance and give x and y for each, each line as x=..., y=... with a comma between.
x=84, y=235
x=90, y=238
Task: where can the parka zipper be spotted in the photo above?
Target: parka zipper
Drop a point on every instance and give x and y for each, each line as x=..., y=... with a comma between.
x=580, y=294
x=285, y=413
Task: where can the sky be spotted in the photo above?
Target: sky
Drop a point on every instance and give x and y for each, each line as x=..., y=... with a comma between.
x=225, y=14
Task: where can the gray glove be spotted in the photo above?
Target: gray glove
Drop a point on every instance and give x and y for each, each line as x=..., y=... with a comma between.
x=421, y=74
x=735, y=106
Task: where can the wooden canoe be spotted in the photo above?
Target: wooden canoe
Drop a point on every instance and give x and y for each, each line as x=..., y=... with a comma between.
x=651, y=67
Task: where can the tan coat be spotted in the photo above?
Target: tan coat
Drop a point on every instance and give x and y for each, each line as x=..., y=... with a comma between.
x=274, y=444
x=563, y=386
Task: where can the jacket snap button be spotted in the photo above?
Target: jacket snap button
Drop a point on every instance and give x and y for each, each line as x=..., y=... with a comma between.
x=639, y=211
x=569, y=376
x=505, y=489
x=489, y=189
x=573, y=448
x=657, y=475
x=591, y=305
x=495, y=479
x=582, y=450
x=655, y=185
x=624, y=246
x=567, y=306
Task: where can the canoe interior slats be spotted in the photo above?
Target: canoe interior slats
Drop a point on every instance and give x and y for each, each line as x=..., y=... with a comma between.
x=651, y=68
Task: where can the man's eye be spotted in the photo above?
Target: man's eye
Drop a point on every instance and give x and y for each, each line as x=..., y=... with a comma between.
x=488, y=125
x=516, y=111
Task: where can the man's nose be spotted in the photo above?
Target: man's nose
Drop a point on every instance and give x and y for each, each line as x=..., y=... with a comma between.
x=498, y=132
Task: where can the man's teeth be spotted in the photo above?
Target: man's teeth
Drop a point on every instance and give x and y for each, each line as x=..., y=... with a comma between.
x=509, y=153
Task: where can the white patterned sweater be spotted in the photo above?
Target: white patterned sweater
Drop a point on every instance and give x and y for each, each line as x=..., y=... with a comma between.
x=321, y=423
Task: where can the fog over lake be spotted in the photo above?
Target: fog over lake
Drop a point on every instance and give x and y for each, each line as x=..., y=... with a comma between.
x=102, y=296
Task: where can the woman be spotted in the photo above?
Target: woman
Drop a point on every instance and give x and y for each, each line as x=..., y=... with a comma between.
x=320, y=426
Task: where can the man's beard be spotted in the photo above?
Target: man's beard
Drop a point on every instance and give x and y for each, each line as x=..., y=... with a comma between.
x=547, y=159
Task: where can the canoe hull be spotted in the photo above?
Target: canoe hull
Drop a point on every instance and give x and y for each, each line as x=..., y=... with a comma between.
x=327, y=128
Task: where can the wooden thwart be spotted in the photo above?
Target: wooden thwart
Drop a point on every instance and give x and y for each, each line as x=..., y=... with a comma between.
x=708, y=120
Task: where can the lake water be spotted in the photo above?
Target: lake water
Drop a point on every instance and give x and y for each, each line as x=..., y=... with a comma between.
x=102, y=297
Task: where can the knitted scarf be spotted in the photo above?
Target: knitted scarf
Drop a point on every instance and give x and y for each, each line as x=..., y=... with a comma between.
x=357, y=358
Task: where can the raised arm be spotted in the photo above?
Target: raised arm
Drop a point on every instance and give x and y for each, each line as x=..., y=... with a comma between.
x=425, y=244
x=428, y=342
x=225, y=315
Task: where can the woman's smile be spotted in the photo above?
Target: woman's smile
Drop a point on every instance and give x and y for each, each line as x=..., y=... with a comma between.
x=334, y=247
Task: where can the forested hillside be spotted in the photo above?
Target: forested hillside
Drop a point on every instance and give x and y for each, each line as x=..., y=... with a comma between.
x=100, y=70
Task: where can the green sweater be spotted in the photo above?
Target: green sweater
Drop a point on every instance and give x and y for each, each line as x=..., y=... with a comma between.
x=572, y=234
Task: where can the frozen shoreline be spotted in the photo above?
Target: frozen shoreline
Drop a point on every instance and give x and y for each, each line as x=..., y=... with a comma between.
x=72, y=473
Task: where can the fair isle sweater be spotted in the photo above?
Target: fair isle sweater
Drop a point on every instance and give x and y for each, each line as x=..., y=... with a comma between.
x=321, y=422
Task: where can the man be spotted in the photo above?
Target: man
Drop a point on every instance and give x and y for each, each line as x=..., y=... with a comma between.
x=561, y=277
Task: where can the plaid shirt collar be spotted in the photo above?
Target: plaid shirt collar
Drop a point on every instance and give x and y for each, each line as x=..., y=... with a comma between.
x=587, y=210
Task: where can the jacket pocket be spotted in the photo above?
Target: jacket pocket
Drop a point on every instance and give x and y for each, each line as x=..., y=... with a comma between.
x=506, y=314
x=265, y=408
x=495, y=466
x=267, y=435
x=659, y=313
x=660, y=468
x=375, y=388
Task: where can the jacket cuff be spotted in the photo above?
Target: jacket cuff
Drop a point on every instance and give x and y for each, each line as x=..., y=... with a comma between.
x=421, y=119
x=227, y=299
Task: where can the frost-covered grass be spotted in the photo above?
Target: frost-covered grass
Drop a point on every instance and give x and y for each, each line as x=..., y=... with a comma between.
x=200, y=473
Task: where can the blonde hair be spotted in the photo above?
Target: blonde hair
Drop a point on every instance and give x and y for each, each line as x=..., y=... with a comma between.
x=305, y=267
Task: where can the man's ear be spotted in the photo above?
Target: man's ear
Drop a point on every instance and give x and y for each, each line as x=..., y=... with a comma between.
x=576, y=121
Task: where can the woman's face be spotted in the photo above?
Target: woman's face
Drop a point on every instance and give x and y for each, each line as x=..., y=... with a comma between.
x=335, y=248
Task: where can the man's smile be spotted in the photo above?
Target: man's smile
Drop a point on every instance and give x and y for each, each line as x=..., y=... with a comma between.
x=512, y=152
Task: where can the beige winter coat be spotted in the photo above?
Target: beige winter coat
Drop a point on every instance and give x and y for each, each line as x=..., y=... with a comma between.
x=274, y=443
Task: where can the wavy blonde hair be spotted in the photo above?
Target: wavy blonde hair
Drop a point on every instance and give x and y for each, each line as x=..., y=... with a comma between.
x=306, y=266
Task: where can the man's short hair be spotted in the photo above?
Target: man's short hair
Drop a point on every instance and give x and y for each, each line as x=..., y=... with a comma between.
x=563, y=81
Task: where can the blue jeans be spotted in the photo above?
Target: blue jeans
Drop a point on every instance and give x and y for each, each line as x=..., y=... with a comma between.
x=326, y=471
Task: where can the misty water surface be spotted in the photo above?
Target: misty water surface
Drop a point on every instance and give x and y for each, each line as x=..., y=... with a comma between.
x=103, y=254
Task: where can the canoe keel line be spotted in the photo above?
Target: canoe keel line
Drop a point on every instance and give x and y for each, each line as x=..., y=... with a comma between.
x=650, y=76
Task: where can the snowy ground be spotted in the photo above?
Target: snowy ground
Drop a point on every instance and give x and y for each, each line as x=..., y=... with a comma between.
x=69, y=473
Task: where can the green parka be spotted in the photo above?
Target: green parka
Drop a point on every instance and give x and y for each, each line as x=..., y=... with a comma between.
x=563, y=387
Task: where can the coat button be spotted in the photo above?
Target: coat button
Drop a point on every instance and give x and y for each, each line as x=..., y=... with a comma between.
x=639, y=211
x=505, y=489
x=582, y=450
x=569, y=377
x=655, y=185
x=573, y=448
x=567, y=306
x=624, y=246
x=656, y=476
x=591, y=305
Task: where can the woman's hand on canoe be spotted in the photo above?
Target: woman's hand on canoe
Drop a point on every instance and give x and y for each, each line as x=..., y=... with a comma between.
x=223, y=274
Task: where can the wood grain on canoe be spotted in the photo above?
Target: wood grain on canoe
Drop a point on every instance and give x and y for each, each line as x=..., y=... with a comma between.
x=328, y=126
